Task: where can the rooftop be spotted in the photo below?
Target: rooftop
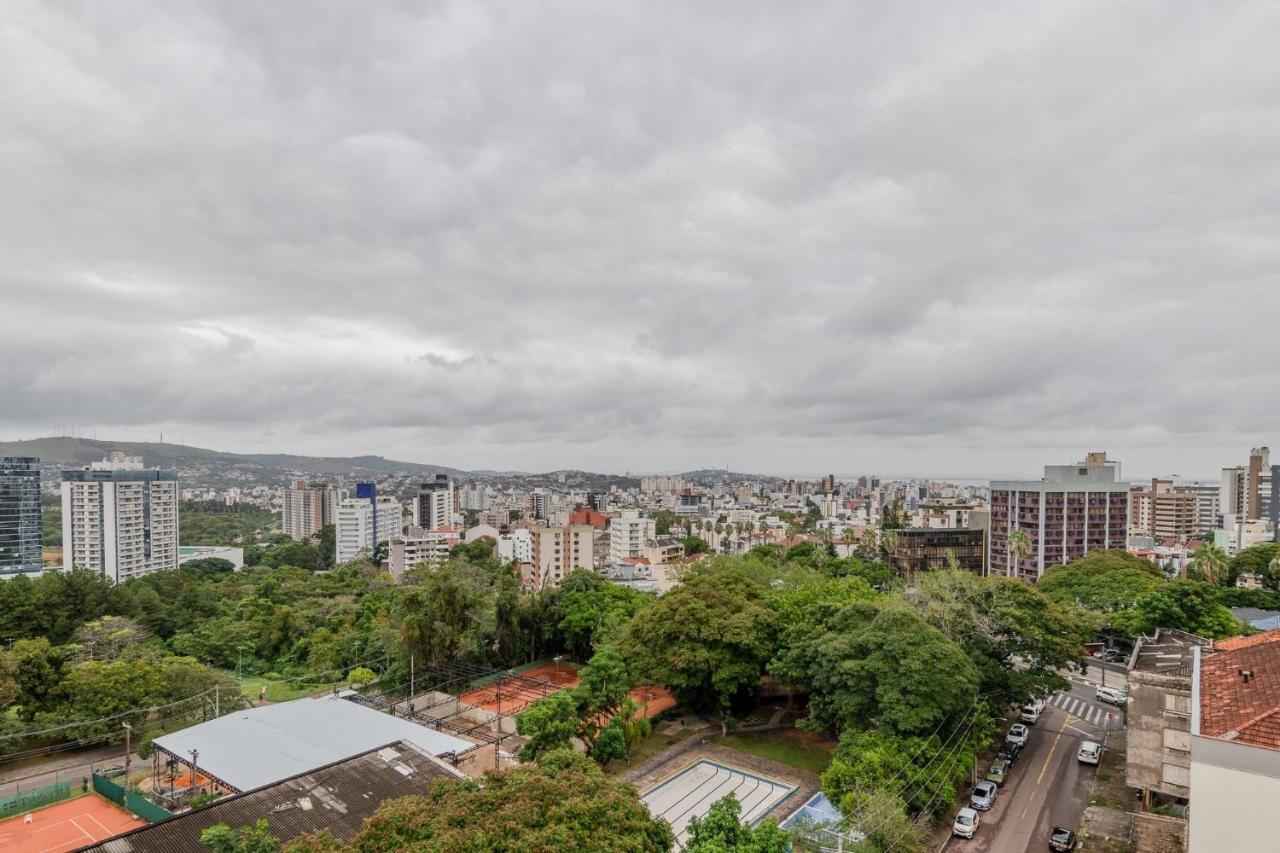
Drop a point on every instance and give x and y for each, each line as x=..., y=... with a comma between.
x=338, y=797
x=1240, y=691
x=1167, y=651
x=261, y=746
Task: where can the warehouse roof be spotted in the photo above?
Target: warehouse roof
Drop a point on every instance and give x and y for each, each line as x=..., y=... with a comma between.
x=337, y=798
x=259, y=746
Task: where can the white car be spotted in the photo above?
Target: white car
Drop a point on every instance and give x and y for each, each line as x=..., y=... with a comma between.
x=1090, y=753
x=1112, y=695
x=1018, y=733
x=966, y=823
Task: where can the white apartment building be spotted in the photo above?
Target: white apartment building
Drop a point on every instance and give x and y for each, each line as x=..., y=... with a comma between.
x=355, y=520
x=557, y=551
x=120, y=519
x=419, y=546
x=516, y=545
x=433, y=507
x=628, y=534
x=671, y=484
x=305, y=510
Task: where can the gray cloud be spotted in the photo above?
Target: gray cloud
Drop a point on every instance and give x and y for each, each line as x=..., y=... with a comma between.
x=628, y=236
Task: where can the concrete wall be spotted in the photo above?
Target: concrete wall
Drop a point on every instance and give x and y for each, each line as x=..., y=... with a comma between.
x=1237, y=788
x=1158, y=733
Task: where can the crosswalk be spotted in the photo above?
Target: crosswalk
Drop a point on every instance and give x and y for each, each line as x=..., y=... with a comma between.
x=1094, y=714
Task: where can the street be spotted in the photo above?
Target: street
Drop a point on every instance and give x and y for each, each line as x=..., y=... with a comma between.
x=1047, y=786
x=74, y=767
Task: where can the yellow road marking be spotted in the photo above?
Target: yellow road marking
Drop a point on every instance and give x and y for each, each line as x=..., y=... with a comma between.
x=1049, y=757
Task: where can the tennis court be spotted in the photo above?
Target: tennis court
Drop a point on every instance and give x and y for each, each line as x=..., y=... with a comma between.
x=509, y=696
x=693, y=790
x=66, y=826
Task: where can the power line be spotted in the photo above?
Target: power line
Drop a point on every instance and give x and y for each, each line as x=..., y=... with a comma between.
x=116, y=716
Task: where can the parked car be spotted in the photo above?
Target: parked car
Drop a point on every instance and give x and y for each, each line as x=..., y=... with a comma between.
x=999, y=770
x=1018, y=733
x=1009, y=751
x=1090, y=753
x=966, y=823
x=1062, y=839
x=1113, y=695
x=1031, y=713
x=983, y=796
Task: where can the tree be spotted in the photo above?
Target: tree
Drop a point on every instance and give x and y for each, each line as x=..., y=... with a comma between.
x=9, y=689
x=875, y=663
x=1019, y=545
x=1102, y=581
x=361, y=675
x=247, y=839
x=1261, y=560
x=328, y=543
x=562, y=803
x=440, y=617
x=1018, y=638
x=39, y=675
x=596, y=614
x=662, y=521
x=883, y=818
x=1185, y=605
x=925, y=771
x=695, y=545
x=549, y=724
x=610, y=744
x=721, y=831
x=107, y=638
x=707, y=639
x=1210, y=561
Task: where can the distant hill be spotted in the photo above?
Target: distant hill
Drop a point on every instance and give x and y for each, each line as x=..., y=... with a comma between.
x=81, y=451
x=719, y=476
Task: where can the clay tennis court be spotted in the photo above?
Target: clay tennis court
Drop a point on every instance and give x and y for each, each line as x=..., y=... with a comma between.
x=518, y=695
x=66, y=826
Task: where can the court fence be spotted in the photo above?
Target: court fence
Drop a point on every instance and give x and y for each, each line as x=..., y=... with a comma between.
x=34, y=799
x=131, y=800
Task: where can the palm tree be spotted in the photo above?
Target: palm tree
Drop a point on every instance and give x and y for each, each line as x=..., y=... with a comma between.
x=1211, y=562
x=848, y=539
x=870, y=544
x=889, y=540
x=1019, y=546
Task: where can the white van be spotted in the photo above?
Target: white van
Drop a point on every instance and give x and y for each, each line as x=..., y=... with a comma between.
x=1031, y=712
x=1090, y=753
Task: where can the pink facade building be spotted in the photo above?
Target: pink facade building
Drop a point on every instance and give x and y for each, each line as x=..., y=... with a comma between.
x=1073, y=510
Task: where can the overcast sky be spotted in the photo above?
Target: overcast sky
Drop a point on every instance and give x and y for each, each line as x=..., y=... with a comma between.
x=790, y=238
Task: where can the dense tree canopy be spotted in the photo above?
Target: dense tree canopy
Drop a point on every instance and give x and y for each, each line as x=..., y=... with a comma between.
x=1103, y=581
x=562, y=803
x=708, y=639
x=721, y=831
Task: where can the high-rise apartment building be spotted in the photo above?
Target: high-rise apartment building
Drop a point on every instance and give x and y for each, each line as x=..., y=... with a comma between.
x=120, y=519
x=557, y=551
x=20, y=528
x=305, y=510
x=1208, y=499
x=1246, y=489
x=1275, y=502
x=540, y=504
x=1072, y=510
x=433, y=506
x=628, y=534
x=1163, y=512
x=364, y=521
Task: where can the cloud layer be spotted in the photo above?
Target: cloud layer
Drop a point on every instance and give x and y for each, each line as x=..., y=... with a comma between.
x=643, y=236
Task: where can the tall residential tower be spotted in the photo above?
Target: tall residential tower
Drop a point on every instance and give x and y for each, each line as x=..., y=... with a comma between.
x=20, y=530
x=120, y=519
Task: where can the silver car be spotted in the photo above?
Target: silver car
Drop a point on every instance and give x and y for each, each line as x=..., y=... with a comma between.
x=983, y=796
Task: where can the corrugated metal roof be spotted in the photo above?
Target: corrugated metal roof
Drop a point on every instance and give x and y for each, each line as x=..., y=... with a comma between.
x=339, y=798
x=249, y=749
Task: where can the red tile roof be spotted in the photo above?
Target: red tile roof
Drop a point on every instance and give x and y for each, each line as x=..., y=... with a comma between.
x=1240, y=708
x=1233, y=643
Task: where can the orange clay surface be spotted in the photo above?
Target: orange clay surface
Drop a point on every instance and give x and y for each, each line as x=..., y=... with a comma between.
x=516, y=697
x=66, y=826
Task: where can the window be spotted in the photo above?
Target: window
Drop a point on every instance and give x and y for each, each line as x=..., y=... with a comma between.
x=1174, y=739
x=1172, y=774
x=1176, y=704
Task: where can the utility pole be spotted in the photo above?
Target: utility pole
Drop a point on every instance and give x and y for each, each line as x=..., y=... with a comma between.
x=195, y=754
x=128, y=752
x=411, y=693
x=217, y=709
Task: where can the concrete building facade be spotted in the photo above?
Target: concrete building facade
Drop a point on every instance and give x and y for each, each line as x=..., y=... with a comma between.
x=120, y=519
x=1162, y=512
x=306, y=509
x=628, y=534
x=363, y=522
x=557, y=551
x=433, y=506
x=420, y=546
x=21, y=532
x=1072, y=510
x=1158, y=716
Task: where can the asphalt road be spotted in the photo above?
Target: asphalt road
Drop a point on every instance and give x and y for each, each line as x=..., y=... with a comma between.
x=1047, y=786
x=16, y=777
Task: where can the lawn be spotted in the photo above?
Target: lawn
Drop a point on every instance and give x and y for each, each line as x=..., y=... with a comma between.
x=785, y=746
x=282, y=691
x=648, y=747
